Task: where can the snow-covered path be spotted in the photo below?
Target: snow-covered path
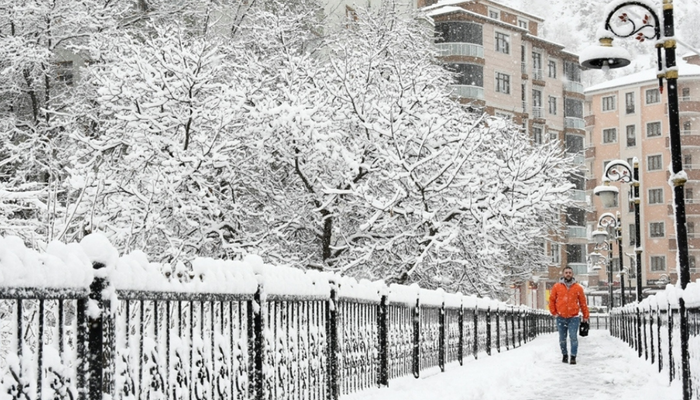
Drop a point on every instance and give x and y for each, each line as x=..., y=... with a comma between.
x=607, y=369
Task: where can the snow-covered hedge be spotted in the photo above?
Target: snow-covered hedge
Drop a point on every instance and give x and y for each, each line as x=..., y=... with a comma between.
x=71, y=266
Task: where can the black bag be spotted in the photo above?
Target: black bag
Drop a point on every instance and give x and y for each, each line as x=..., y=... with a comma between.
x=583, y=329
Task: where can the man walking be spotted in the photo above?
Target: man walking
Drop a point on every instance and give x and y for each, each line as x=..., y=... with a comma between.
x=565, y=301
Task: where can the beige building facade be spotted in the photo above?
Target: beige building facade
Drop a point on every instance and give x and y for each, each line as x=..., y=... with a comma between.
x=627, y=118
x=506, y=69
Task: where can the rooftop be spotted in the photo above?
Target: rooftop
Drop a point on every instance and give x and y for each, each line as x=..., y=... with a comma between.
x=685, y=70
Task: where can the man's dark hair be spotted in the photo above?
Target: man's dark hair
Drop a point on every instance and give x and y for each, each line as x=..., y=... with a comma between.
x=567, y=267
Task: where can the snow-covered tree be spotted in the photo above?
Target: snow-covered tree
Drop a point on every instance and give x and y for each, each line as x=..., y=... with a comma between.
x=198, y=129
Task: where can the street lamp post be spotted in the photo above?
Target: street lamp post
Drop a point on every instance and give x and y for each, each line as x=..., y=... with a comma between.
x=620, y=171
x=605, y=56
x=603, y=239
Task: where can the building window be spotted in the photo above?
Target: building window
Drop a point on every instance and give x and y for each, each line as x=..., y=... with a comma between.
x=631, y=136
x=555, y=251
x=691, y=228
x=610, y=135
x=656, y=196
x=656, y=229
x=687, y=161
x=537, y=134
x=632, y=235
x=459, y=32
x=502, y=83
x=494, y=14
x=537, y=103
x=653, y=129
x=687, y=128
x=653, y=96
x=609, y=103
x=658, y=263
x=629, y=103
x=654, y=163
x=536, y=66
x=689, y=196
x=522, y=23
x=64, y=72
x=468, y=74
x=552, y=68
x=685, y=94
x=502, y=43
x=552, y=105
x=575, y=253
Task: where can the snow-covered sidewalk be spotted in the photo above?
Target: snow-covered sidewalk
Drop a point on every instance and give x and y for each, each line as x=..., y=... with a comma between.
x=607, y=369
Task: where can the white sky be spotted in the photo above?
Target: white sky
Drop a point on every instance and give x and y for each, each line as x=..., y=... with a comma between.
x=607, y=369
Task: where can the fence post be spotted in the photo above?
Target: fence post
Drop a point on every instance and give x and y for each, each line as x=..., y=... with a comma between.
x=475, y=345
x=416, y=339
x=332, y=335
x=651, y=333
x=658, y=336
x=383, y=325
x=488, y=330
x=671, y=365
x=639, y=332
x=100, y=337
x=460, y=351
x=498, y=330
x=512, y=326
x=441, y=340
x=256, y=342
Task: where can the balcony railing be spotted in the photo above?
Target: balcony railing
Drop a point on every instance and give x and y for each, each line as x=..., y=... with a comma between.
x=579, y=268
x=578, y=195
x=537, y=74
x=575, y=123
x=579, y=159
x=537, y=112
x=577, y=232
x=469, y=92
x=460, y=49
x=575, y=87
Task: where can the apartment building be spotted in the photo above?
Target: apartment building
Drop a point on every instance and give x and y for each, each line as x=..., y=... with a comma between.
x=509, y=71
x=626, y=118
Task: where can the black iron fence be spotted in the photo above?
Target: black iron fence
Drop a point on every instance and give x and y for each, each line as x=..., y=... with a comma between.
x=83, y=343
x=652, y=329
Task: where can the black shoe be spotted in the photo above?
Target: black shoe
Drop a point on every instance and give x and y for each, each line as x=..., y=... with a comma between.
x=565, y=359
x=572, y=360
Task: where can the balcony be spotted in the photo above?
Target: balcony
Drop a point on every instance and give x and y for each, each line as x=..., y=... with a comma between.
x=576, y=232
x=690, y=209
x=537, y=112
x=578, y=195
x=460, y=49
x=689, y=138
x=579, y=268
x=469, y=92
x=537, y=74
x=579, y=159
x=575, y=87
x=523, y=68
x=688, y=105
x=575, y=123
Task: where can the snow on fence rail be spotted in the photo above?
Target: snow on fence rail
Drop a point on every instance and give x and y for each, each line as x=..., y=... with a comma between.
x=79, y=322
x=652, y=328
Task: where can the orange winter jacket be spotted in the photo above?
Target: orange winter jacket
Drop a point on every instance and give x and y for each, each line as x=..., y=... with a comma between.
x=567, y=302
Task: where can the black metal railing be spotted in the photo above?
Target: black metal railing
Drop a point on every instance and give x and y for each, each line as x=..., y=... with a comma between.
x=82, y=343
x=652, y=329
